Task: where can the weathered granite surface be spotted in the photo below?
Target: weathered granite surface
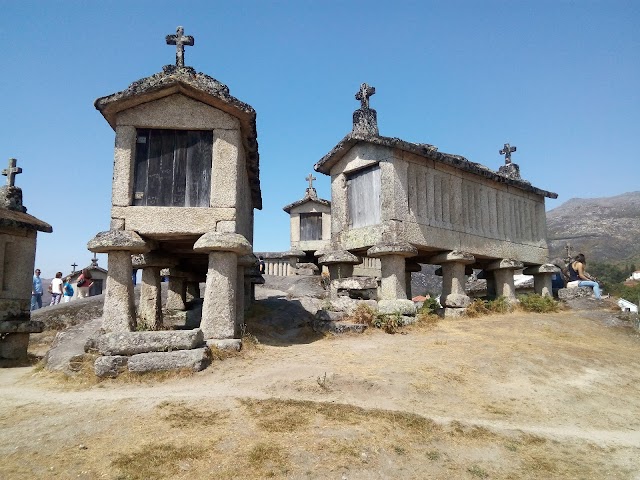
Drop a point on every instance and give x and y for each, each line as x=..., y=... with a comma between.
x=195, y=360
x=110, y=366
x=131, y=343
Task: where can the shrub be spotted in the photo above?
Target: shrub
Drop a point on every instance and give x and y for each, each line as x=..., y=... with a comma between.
x=363, y=314
x=477, y=308
x=499, y=305
x=430, y=306
x=537, y=303
x=389, y=323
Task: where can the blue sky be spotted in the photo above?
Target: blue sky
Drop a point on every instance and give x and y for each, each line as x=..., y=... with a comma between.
x=558, y=79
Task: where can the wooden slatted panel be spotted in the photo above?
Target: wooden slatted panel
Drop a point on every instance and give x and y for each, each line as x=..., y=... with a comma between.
x=311, y=226
x=173, y=168
x=363, y=192
x=141, y=177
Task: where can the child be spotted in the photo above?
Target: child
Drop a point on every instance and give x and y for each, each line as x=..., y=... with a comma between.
x=68, y=290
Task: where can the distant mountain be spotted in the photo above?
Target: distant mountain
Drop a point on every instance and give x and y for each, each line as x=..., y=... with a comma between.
x=604, y=229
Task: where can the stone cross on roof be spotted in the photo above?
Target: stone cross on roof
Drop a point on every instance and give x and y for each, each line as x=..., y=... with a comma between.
x=363, y=95
x=310, y=178
x=74, y=265
x=11, y=172
x=180, y=40
x=506, y=151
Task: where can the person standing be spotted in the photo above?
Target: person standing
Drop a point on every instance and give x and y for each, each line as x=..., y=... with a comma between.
x=85, y=282
x=578, y=273
x=68, y=290
x=56, y=289
x=36, y=291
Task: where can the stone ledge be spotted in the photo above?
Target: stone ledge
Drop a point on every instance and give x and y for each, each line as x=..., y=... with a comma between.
x=403, y=307
x=194, y=360
x=132, y=343
x=337, y=327
x=575, y=292
x=225, y=344
x=110, y=366
x=18, y=326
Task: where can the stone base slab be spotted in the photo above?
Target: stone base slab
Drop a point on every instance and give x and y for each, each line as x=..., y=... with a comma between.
x=194, y=360
x=225, y=344
x=403, y=307
x=19, y=326
x=110, y=366
x=337, y=327
x=451, y=312
x=576, y=292
x=132, y=343
x=14, y=346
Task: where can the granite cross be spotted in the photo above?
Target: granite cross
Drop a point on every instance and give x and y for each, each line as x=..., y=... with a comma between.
x=74, y=265
x=310, y=178
x=180, y=40
x=363, y=95
x=11, y=172
x=506, y=151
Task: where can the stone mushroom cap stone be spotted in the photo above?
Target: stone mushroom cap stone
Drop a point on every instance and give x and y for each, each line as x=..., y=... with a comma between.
x=401, y=248
x=294, y=253
x=151, y=259
x=508, y=263
x=247, y=260
x=223, y=242
x=117, y=240
x=536, y=269
x=453, y=256
x=339, y=256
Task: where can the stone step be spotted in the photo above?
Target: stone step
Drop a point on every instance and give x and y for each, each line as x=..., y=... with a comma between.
x=337, y=327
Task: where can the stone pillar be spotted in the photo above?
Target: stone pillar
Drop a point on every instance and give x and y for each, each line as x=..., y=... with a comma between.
x=542, y=278
x=409, y=268
x=219, y=307
x=503, y=276
x=292, y=258
x=150, y=306
x=245, y=262
x=454, y=298
x=118, y=311
x=192, y=291
x=393, y=285
x=176, y=289
x=339, y=262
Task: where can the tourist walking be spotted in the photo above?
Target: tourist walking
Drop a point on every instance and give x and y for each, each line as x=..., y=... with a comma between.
x=36, y=291
x=68, y=290
x=85, y=282
x=56, y=289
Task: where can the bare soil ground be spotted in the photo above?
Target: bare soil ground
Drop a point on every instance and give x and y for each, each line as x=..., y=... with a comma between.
x=513, y=396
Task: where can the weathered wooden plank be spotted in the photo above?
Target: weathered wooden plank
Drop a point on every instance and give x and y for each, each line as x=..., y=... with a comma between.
x=153, y=169
x=311, y=226
x=140, y=168
x=363, y=191
x=168, y=141
x=179, y=169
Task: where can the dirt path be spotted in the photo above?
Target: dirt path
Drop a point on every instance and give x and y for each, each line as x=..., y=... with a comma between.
x=513, y=396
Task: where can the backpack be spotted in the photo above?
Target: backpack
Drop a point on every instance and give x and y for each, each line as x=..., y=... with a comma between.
x=81, y=282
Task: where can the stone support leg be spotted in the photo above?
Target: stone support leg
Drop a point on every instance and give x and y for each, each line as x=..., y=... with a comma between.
x=393, y=283
x=119, y=313
x=504, y=284
x=219, y=307
x=176, y=293
x=240, y=299
x=542, y=284
x=453, y=281
x=150, y=307
x=192, y=291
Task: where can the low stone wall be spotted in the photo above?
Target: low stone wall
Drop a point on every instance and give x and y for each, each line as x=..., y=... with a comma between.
x=576, y=292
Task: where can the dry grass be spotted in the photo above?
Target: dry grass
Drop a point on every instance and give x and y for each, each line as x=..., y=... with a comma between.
x=156, y=460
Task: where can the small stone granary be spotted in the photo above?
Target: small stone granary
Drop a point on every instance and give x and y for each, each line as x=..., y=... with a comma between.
x=98, y=277
x=18, y=232
x=185, y=183
x=310, y=224
x=409, y=204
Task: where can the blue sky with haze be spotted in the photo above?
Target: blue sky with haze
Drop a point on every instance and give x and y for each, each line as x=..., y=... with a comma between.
x=558, y=79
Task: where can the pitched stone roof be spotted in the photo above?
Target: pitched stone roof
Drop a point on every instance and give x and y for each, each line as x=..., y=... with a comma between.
x=13, y=218
x=200, y=87
x=424, y=150
x=308, y=197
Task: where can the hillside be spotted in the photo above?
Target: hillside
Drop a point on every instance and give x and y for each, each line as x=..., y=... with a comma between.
x=604, y=229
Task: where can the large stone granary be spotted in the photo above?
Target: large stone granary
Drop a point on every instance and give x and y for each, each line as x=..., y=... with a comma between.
x=407, y=203
x=185, y=183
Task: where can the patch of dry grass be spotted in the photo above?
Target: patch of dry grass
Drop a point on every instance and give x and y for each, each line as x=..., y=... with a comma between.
x=156, y=460
x=179, y=415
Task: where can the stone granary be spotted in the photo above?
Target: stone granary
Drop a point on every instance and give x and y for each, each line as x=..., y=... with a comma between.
x=18, y=232
x=185, y=183
x=407, y=203
x=310, y=219
x=98, y=277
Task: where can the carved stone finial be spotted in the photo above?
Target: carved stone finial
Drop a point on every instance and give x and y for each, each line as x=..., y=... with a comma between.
x=311, y=192
x=506, y=151
x=310, y=178
x=11, y=172
x=180, y=40
x=365, y=119
x=363, y=95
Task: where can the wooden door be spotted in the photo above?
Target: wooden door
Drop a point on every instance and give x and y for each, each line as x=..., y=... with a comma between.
x=173, y=168
x=311, y=226
x=363, y=197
